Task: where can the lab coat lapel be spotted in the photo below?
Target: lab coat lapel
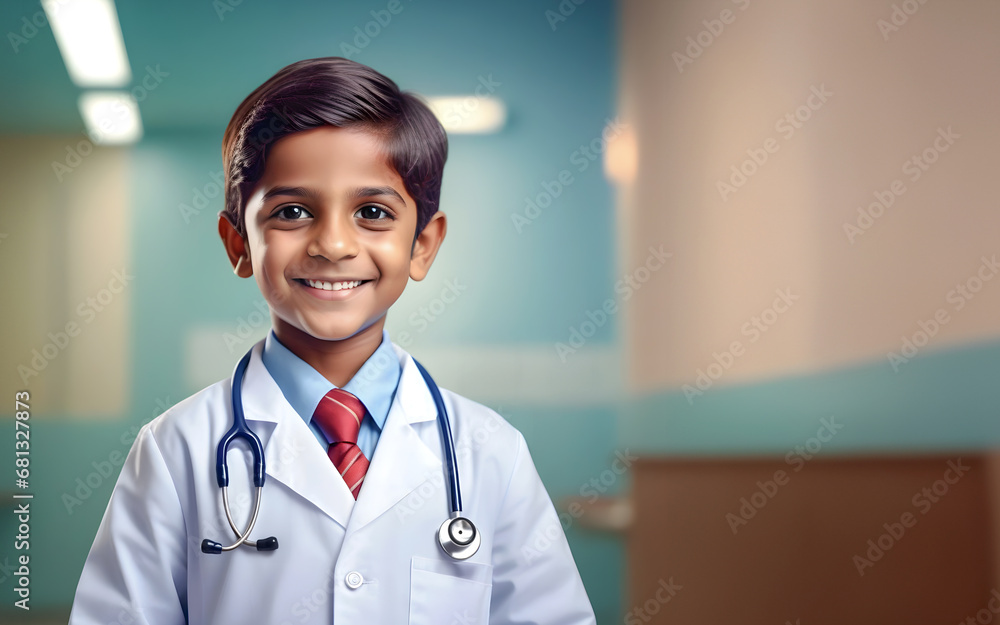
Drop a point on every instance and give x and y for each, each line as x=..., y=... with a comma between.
x=291, y=453
x=402, y=461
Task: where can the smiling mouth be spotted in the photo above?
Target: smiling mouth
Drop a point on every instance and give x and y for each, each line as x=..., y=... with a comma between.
x=331, y=286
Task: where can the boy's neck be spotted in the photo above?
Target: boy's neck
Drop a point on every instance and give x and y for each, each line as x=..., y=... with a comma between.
x=337, y=361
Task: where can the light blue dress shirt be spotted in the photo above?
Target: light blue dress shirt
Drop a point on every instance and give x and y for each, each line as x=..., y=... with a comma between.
x=303, y=386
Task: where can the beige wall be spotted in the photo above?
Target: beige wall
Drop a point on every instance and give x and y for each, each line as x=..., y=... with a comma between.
x=784, y=228
x=65, y=239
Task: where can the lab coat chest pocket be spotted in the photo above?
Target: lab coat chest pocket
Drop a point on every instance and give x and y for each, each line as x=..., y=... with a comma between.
x=444, y=592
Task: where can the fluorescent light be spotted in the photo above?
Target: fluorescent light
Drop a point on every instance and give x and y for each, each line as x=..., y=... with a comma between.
x=112, y=117
x=90, y=40
x=469, y=114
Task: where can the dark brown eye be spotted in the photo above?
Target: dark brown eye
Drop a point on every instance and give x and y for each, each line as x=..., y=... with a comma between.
x=292, y=212
x=372, y=212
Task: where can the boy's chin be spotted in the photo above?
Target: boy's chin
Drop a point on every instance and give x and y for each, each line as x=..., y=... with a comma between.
x=331, y=332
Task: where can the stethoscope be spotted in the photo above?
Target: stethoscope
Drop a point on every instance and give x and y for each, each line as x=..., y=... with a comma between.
x=457, y=536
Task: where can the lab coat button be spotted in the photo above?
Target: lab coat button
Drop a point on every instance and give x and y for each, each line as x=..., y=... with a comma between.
x=354, y=579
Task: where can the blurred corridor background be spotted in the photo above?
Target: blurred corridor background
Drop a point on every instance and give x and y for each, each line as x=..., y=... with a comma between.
x=727, y=265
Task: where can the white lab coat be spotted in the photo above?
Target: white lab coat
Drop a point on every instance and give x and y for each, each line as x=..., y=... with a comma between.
x=146, y=564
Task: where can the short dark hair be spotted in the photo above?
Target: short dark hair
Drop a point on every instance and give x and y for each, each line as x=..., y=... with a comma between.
x=337, y=92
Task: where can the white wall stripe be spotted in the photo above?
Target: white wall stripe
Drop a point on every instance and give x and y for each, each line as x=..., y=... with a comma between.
x=489, y=374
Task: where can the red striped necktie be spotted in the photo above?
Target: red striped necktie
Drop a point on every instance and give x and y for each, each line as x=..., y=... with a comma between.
x=339, y=416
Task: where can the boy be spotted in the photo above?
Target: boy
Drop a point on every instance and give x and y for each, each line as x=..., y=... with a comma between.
x=332, y=185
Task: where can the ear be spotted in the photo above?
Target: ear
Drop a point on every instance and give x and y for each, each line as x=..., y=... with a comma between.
x=236, y=248
x=426, y=246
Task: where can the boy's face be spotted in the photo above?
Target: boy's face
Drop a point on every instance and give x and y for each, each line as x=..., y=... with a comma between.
x=330, y=212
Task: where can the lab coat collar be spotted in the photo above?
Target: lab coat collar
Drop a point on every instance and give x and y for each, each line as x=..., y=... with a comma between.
x=401, y=463
x=402, y=460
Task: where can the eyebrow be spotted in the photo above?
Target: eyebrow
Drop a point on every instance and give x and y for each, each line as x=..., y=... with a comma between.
x=293, y=191
x=357, y=193
x=361, y=192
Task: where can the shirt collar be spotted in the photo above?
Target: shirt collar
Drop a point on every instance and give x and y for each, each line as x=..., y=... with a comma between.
x=303, y=386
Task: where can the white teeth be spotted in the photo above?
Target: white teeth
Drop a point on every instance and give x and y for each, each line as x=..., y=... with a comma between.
x=332, y=286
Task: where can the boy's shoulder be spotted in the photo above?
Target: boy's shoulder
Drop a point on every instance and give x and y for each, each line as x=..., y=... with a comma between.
x=469, y=412
x=197, y=415
x=481, y=434
x=463, y=411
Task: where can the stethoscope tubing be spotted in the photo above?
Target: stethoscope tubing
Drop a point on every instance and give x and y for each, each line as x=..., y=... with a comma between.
x=244, y=535
x=239, y=430
x=454, y=491
x=457, y=536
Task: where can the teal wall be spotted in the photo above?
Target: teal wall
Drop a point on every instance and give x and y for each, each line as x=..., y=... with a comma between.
x=525, y=289
x=560, y=90
x=940, y=401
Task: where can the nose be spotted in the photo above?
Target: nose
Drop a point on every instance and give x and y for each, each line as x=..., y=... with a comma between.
x=334, y=237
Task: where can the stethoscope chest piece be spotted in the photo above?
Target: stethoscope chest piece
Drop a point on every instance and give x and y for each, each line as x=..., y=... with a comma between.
x=459, y=538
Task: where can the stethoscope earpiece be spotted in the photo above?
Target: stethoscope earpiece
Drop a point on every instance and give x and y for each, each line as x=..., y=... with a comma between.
x=267, y=544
